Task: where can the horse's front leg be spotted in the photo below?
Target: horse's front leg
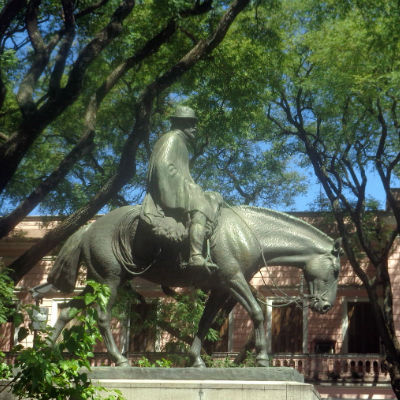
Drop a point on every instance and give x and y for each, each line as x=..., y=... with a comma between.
x=240, y=289
x=213, y=304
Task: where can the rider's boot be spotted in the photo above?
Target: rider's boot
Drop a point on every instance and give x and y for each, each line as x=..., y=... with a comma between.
x=197, y=234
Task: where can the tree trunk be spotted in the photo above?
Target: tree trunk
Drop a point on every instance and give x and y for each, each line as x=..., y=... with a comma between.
x=394, y=372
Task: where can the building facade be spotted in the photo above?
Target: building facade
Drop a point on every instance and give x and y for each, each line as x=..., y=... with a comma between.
x=339, y=352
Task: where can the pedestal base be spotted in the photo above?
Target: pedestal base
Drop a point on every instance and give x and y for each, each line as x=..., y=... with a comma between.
x=273, y=383
x=205, y=384
x=211, y=390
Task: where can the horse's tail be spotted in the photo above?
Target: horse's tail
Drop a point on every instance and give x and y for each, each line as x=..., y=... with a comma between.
x=64, y=272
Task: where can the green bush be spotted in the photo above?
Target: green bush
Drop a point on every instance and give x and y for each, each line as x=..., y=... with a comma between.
x=56, y=371
x=145, y=362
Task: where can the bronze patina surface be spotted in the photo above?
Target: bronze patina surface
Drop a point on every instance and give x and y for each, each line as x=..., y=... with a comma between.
x=164, y=241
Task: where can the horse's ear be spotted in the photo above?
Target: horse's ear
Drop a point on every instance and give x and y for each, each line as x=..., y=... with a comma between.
x=337, y=247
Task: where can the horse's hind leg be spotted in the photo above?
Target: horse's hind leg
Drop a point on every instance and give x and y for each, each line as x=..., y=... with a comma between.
x=104, y=320
x=211, y=309
x=64, y=317
x=240, y=289
x=62, y=320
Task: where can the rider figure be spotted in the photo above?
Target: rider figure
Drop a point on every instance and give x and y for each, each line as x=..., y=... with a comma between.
x=171, y=190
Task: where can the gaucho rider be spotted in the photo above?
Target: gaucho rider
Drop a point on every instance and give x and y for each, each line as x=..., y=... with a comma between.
x=173, y=196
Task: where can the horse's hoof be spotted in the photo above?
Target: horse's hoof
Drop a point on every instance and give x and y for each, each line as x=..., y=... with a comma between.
x=123, y=363
x=199, y=364
x=262, y=362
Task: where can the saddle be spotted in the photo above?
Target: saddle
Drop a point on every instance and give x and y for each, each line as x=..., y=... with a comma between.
x=168, y=236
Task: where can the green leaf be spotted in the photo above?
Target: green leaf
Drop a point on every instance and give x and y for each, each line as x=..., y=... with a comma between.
x=89, y=298
x=22, y=333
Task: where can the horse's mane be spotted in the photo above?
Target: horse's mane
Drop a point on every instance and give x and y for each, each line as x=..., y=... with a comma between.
x=284, y=217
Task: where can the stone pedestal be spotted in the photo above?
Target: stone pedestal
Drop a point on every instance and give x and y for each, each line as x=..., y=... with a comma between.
x=205, y=384
x=198, y=374
x=273, y=383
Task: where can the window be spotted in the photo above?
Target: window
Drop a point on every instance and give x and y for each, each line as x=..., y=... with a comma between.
x=222, y=344
x=362, y=333
x=287, y=329
x=324, y=347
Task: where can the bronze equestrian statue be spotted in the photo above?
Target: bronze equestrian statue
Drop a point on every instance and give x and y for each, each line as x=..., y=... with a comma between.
x=163, y=242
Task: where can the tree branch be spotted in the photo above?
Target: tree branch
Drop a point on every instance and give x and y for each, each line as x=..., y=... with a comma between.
x=84, y=145
x=15, y=148
x=32, y=26
x=248, y=198
x=384, y=133
x=65, y=47
x=40, y=60
x=3, y=136
x=386, y=177
x=91, y=8
x=277, y=123
x=127, y=166
x=94, y=48
x=299, y=113
x=9, y=222
x=333, y=191
x=3, y=92
x=8, y=13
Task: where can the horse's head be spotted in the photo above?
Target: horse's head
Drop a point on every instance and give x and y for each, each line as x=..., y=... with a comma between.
x=322, y=273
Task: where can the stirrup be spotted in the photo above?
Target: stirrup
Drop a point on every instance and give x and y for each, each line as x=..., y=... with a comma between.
x=209, y=266
x=203, y=263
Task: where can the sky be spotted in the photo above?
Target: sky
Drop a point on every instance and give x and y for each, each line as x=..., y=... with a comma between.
x=374, y=189
x=304, y=202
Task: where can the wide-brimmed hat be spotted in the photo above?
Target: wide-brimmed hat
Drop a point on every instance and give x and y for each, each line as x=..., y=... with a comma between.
x=184, y=112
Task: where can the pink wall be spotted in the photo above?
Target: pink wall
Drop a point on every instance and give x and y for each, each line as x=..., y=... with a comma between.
x=394, y=271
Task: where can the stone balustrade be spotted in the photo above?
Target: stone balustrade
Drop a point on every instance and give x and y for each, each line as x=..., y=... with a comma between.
x=336, y=367
x=359, y=368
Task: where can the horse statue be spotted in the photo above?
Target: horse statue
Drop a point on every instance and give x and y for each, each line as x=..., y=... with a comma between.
x=116, y=248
